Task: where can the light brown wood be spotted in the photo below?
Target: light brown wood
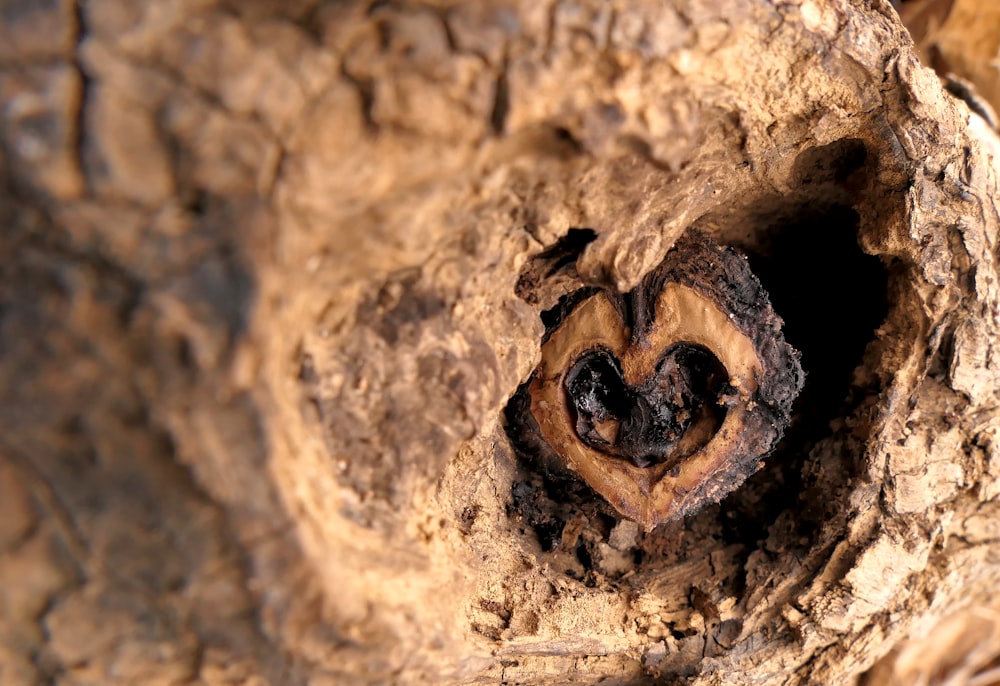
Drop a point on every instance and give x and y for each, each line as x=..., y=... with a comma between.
x=266, y=294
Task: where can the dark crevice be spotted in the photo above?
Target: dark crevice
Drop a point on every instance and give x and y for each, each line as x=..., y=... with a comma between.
x=831, y=297
x=86, y=90
x=449, y=32
x=546, y=264
x=501, y=102
x=833, y=163
x=564, y=135
x=312, y=24
x=366, y=93
x=667, y=418
x=965, y=92
x=552, y=316
x=568, y=248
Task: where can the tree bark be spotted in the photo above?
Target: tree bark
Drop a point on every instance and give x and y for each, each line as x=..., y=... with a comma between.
x=273, y=272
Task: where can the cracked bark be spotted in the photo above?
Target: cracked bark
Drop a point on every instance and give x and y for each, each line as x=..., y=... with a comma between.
x=273, y=271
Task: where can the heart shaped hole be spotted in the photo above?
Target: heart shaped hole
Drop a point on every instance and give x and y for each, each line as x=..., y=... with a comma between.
x=670, y=415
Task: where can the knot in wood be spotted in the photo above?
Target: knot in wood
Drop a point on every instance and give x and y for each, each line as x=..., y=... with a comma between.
x=665, y=398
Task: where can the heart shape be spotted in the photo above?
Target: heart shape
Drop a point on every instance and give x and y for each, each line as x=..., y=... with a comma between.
x=665, y=419
x=613, y=408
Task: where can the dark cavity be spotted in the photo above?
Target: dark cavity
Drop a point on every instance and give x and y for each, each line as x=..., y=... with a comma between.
x=672, y=414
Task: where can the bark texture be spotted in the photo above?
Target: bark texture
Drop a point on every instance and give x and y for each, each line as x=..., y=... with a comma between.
x=272, y=271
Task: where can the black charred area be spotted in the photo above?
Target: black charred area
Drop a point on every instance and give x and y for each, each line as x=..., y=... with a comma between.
x=524, y=434
x=832, y=297
x=556, y=494
x=644, y=424
x=687, y=380
x=531, y=505
x=724, y=275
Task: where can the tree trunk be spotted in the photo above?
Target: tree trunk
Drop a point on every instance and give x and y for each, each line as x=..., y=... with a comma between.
x=273, y=273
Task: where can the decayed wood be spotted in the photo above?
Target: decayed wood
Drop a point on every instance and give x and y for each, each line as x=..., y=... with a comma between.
x=666, y=398
x=273, y=271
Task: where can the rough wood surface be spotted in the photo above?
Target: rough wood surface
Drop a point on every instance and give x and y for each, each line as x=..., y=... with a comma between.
x=271, y=272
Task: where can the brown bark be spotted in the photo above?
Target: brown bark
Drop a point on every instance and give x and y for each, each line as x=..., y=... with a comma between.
x=273, y=271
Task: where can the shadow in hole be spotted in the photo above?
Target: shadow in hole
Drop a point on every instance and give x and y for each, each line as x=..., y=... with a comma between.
x=832, y=297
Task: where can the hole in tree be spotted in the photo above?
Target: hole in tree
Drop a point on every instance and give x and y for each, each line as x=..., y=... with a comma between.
x=668, y=417
x=832, y=297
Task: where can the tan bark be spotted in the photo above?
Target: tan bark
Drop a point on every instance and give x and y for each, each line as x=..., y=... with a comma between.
x=273, y=270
